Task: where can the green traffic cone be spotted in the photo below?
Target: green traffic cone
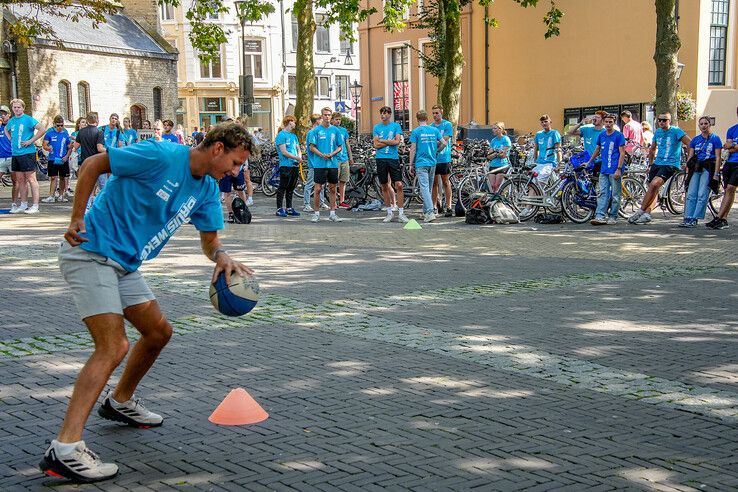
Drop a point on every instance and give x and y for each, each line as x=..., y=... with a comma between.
x=412, y=225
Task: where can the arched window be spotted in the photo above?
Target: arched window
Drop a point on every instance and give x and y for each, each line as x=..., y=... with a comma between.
x=65, y=100
x=157, y=103
x=83, y=97
x=138, y=115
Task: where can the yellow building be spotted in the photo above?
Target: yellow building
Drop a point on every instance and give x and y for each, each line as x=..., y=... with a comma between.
x=602, y=59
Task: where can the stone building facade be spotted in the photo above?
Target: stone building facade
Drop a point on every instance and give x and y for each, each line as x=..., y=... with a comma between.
x=123, y=67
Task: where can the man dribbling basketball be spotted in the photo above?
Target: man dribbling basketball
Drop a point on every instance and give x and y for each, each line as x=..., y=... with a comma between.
x=154, y=188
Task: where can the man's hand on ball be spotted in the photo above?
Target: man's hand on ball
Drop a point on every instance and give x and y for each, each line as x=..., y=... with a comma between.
x=224, y=263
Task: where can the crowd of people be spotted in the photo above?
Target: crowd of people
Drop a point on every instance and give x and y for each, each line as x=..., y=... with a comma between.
x=329, y=157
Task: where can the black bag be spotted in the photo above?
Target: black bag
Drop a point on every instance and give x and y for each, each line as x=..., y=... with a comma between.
x=459, y=209
x=548, y=219
x=478, y=211
x=241, y=213
x=476, y=216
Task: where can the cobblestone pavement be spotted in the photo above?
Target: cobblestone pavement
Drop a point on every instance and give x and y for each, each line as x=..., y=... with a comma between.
x=522, y=357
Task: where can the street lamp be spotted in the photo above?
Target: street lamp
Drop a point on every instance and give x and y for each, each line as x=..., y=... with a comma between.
x=242, y=77
x=355, y=90
x=680, y=67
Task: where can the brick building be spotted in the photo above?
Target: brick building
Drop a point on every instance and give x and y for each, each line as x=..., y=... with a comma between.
x=123, y=67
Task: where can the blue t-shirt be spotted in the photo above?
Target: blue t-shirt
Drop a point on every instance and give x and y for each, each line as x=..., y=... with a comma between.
x=733, y=135
x=447, y=130
x=546, y=145
x=5, y=148
x=79, y=149
x=610, y=150
x=310, y=153
x=326, y=140
x=111, y=137
x=705, y=148
x=21, y=129
x=130, y=136
x=149, y=195
x=289, y=140
x=343, y=155
x=498, y=143
x=59, y=142
x=589, y=134
x=668, y=146
x=387, y=132
x=171, y=137
x=425, y=138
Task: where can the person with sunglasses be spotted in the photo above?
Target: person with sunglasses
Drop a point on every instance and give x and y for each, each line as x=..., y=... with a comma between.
x=664, y=159
x=730, y=179
x=387, y=138
x=57, y=143
x=547, y=151
x=703, y=165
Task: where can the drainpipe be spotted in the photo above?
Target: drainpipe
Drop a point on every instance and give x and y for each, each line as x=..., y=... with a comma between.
x=486, y=66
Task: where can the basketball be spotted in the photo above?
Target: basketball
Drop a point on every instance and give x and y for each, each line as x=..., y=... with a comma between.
x=237, y=298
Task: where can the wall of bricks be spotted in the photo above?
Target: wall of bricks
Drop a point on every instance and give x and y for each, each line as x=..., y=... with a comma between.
x=116, y=82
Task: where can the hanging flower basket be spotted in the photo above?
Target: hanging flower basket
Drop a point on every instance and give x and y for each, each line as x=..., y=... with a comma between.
x=686, y=106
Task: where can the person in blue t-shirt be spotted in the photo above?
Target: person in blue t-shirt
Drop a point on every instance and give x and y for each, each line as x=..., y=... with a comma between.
x=589, y=129
x=113, y=133
x=547, y=151
x=345, y=160
x=443, y=162
x=703, y=165
x=155, y=188
x=611, y=146
x=6, y=154
x=425, y=144
x=309, y=186
x=167, y=134
x=664, y=159
x=290, y=156
x=23, y=130
x=387, y=136
x=730, y=178
x=499, y=152
x=325, y=142
x=130, y=135
x=57, y=143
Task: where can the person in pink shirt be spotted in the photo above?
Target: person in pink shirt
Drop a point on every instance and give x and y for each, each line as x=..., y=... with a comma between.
x=632, y=131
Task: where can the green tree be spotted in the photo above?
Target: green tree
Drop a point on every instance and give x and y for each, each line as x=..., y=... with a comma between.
x=665, y=56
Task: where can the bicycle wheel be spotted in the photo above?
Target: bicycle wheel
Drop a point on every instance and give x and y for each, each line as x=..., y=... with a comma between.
x=516, y=188
x=299, y=187
x=467, y=187
x=7, y=179
x=411, y=190
x=631, y=196
x=573, y=211
x=713, y=203
x=675, y=193
x=267, y=182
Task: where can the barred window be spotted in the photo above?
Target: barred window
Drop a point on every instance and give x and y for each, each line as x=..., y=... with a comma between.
x=718, y=41
x=157, y=103
x=65, y=100
x=83, y=98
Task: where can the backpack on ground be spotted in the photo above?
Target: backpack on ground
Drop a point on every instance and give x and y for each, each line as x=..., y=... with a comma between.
x=548, y=219
x=500, y=210
x=478, y=210
x=241, y=213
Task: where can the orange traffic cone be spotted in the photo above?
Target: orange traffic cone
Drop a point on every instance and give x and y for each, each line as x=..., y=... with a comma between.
x=238, y=408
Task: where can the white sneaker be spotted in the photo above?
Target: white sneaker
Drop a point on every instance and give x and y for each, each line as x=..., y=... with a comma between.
x=14, y=208
x=645, y=218
x=32, y=210
x=49, y=199
x=64, y=198
x=307, y=208
x=81, y=465
x=633, y=218
x=131, y=412
x=324, y=206
x=23, y=207
x=335, y=218
x=315, y=218
x=611, y=221
x=388, y=218
x=403, y=218
x=429, y=217
x=249, y=201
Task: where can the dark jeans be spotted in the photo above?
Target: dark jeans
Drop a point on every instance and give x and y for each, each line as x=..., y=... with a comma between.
x=287, y=184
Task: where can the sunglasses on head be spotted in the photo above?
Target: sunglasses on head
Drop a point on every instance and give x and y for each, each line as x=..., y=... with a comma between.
x=663, y=120
x=385, y=112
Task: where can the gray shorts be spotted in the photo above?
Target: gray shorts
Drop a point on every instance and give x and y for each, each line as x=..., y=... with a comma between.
x=5, y=164
x=100, y=285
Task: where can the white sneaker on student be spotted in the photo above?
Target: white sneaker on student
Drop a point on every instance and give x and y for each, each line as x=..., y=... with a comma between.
x=32, y=210
x=645, y=218
x=429, y=217
x=79, y=465
x=49, y=199
x=403, y=218
x=250, y=201
x=335, y=218
x=315, y=218
x=131, y=412
x=14, y=208
x=390, y=216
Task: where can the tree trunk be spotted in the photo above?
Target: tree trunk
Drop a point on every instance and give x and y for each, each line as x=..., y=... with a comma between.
x=441, y=37
x=305, y=69
x=667, y=49
x=451, y=92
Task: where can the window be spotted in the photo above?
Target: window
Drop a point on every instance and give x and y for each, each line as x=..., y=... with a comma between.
x=212, y=69
x=322, y=87
x=346, y=47
x=322, y=35
x=342, y=87
x=294, y=33
x=292, y=85
x=166, y=12
x=83, y=98
x=65, y=100
x=157, y=103
x=253, y=58
x=401, y=86
x=718, y=41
